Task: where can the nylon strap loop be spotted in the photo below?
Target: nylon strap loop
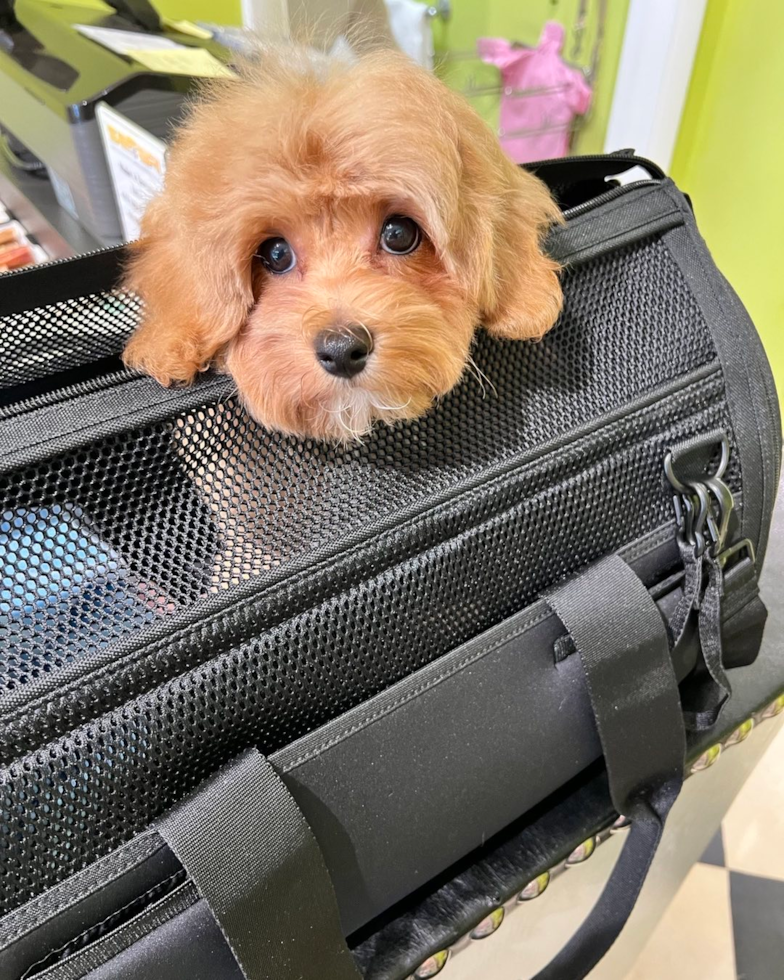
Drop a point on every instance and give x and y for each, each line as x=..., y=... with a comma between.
x=622, y=641
x=623, y=646
x=248, y=849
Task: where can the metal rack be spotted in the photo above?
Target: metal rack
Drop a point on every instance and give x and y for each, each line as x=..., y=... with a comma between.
x=476, y=87
x=442, y=9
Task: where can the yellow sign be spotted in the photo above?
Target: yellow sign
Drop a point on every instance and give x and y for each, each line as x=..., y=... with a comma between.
x=182, y=61
x=132, y=146
x=137, y=162
x=186, y=27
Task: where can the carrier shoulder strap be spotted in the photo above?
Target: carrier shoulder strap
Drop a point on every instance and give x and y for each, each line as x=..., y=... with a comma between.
x=623, y=645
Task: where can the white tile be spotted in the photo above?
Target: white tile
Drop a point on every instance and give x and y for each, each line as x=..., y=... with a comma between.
x=694, y=938
x=754, y=824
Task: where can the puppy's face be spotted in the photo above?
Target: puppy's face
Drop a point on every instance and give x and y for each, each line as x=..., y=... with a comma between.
x=354, y=318
x=332, y=240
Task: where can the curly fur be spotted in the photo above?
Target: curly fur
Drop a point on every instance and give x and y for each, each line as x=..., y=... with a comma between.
x=321, y=152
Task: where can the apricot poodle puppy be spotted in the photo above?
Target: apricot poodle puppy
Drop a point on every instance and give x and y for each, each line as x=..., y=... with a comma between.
x=331, y=235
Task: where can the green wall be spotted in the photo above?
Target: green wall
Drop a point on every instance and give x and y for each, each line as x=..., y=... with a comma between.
x=215, y=11
x=729, y=152
x=523, y=22
x=212, y=11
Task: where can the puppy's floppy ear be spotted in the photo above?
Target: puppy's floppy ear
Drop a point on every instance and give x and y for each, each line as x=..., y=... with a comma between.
x=504, y=215
x=193, y=272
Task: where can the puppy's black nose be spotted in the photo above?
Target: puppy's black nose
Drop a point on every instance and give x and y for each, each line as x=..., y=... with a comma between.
x=343, y=352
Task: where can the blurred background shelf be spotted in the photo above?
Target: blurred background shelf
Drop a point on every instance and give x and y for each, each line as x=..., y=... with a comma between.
x=32, y=202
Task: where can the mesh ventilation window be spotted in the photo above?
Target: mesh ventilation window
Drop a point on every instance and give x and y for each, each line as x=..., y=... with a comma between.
x=65, y=335
x=120, y=771
x=99, y=544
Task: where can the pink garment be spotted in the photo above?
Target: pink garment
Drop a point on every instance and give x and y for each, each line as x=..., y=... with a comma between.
x=546, y=117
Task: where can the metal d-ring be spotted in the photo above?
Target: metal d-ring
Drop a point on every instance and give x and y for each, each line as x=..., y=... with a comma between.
x=745, y=546
x=721, y=469
x=669, y=472
x=725, y=457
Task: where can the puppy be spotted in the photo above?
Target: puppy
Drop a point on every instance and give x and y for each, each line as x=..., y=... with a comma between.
x=331, y=235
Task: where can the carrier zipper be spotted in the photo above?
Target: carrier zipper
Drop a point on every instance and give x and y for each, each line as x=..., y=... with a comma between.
x=626, y=156
x=609, y=195
x=101, y=383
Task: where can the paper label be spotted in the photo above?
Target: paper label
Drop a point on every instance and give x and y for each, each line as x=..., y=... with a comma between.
x=137, y=163
x=124, y=42
x=158, y=53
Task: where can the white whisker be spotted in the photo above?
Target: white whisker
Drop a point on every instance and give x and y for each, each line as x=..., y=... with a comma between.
x=335, y=411
x=388, y=408
x=481, y=377
x=371, y=344
x=354, y=432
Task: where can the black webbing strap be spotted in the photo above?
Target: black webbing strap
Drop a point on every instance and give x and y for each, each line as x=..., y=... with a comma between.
x=716, y=692
x=623, y=646
x=688, y=463
x=252, y=856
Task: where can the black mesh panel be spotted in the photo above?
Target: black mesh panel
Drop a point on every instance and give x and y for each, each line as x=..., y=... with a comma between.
x=96, y=545
x=65, y=335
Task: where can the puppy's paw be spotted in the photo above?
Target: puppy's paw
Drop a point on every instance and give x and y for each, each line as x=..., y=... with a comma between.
x=168, y=360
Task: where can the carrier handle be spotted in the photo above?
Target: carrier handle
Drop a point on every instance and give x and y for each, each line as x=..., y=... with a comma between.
x=248, y=849
x=623, y=647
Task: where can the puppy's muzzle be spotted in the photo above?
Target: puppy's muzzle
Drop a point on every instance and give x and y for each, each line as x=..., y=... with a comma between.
x=343, y=352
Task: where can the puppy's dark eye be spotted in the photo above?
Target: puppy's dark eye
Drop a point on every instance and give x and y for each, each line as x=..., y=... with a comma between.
x=277, y=255
x=400, y=235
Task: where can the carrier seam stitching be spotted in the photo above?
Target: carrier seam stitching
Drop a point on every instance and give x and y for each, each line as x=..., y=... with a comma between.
x=655, y=222
x=121, y=868
x=97, y=925
x=415, y=692
x=186, y=892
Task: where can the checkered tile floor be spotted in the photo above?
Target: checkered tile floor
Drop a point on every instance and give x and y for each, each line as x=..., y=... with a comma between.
x=727, y=920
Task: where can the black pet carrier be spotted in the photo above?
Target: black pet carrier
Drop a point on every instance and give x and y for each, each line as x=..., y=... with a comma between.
x=258, y=695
